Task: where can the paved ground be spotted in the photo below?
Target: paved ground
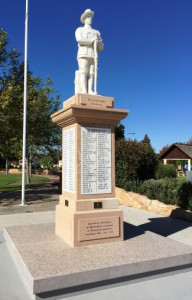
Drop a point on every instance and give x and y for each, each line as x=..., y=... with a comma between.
x=175, y=285
x=43, y=198
x=176, y=229
x=171, y=286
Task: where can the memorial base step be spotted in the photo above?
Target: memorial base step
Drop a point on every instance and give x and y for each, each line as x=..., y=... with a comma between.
x=48, y=264
x=88, y=204
x=83, y=228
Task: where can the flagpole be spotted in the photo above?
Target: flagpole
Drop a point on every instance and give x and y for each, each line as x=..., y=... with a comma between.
x=24, y=107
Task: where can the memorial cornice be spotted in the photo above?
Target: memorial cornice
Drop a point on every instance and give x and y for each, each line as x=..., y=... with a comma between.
x=80, y=114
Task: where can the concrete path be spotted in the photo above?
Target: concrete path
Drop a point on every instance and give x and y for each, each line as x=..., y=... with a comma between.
x=27, y=218
x=41, y=198
x=175, y=285
x=11, y=284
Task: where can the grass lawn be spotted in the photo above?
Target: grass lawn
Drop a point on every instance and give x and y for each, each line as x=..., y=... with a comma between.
x=12, y=182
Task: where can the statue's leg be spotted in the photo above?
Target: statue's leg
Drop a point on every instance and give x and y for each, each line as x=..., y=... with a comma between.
x=83, y=68
x=76, y=82
x=90, y=84
x=91, y=77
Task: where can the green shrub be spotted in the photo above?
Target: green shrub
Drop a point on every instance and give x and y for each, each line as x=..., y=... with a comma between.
x=55, y=171
x=190, y=203
x=133, y=185
x=163, y=171
x=168, y=190
x=185, y=195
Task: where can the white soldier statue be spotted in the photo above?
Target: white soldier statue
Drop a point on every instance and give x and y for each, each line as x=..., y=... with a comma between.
x=89, y=44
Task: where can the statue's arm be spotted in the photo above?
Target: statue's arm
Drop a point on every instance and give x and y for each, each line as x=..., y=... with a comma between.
x=82, y=40
x=100, y=45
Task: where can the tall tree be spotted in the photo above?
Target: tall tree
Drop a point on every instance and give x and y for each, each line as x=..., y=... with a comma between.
x=10, y=75
x=41, y=131
x=42, y=102
x=119, y=132
x=134, y=161
x=146, y=139
x=164, y=149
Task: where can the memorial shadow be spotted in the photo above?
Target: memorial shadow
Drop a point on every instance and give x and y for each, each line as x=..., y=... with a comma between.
x=131, y=231
x=163, y=226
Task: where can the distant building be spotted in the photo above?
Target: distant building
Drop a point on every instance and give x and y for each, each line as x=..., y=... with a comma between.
x=60, y=163
x=178, y=152
x=35, y=161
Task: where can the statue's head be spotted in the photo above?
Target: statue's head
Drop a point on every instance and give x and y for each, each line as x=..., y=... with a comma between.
x=87, y=17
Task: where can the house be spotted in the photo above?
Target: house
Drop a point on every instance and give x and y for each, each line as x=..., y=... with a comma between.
x=178, y=152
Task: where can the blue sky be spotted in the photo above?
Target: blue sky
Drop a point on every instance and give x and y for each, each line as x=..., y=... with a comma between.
x=146, y=64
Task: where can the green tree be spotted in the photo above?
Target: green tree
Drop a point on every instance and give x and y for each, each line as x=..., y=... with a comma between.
x=11, y=74
x=119, y=132
x=47, y=162
x=164, y=149
x=55, y=152
x=42, y=133
x=146, y=139
x=134, y=161
x=147, y=161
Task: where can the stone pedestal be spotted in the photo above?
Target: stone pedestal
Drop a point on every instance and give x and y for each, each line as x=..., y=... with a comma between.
x=88, y=210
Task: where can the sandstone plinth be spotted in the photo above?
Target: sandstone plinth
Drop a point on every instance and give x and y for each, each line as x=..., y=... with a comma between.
x=88, y=177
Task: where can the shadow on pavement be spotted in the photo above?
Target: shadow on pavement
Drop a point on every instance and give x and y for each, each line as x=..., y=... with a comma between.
x=44, y=193
x=162, y=226
x=165, y=226
x=131, y=231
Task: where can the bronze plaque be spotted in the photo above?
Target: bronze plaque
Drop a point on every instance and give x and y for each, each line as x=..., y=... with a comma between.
x=98, y=205
x=98, y=228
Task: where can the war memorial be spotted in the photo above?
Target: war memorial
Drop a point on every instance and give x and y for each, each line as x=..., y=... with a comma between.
x=88, y=211
x=88, y=243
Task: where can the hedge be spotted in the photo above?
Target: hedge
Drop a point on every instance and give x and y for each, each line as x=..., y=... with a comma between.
x=165, y=171
x=168, y=190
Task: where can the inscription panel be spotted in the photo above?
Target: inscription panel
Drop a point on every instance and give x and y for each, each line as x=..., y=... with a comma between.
x=69, y=160
x=98, y=228
x=97, y=102
x=95, y=160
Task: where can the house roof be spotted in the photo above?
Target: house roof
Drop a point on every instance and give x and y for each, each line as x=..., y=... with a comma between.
x=185, y=150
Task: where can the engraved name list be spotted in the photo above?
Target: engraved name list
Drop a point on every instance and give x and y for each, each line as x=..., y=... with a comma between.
x=95, y=160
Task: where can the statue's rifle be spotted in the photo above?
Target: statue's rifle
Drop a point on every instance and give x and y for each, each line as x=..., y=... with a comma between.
x=96, y=66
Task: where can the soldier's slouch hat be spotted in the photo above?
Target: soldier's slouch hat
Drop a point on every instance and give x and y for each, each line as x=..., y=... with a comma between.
x=86, y=13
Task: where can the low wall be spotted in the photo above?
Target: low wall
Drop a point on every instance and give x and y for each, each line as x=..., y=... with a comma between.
x=15, y=171
x=142, y=202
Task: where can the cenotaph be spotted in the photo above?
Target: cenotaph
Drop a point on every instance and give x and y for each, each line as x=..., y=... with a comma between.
x=88, y=211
